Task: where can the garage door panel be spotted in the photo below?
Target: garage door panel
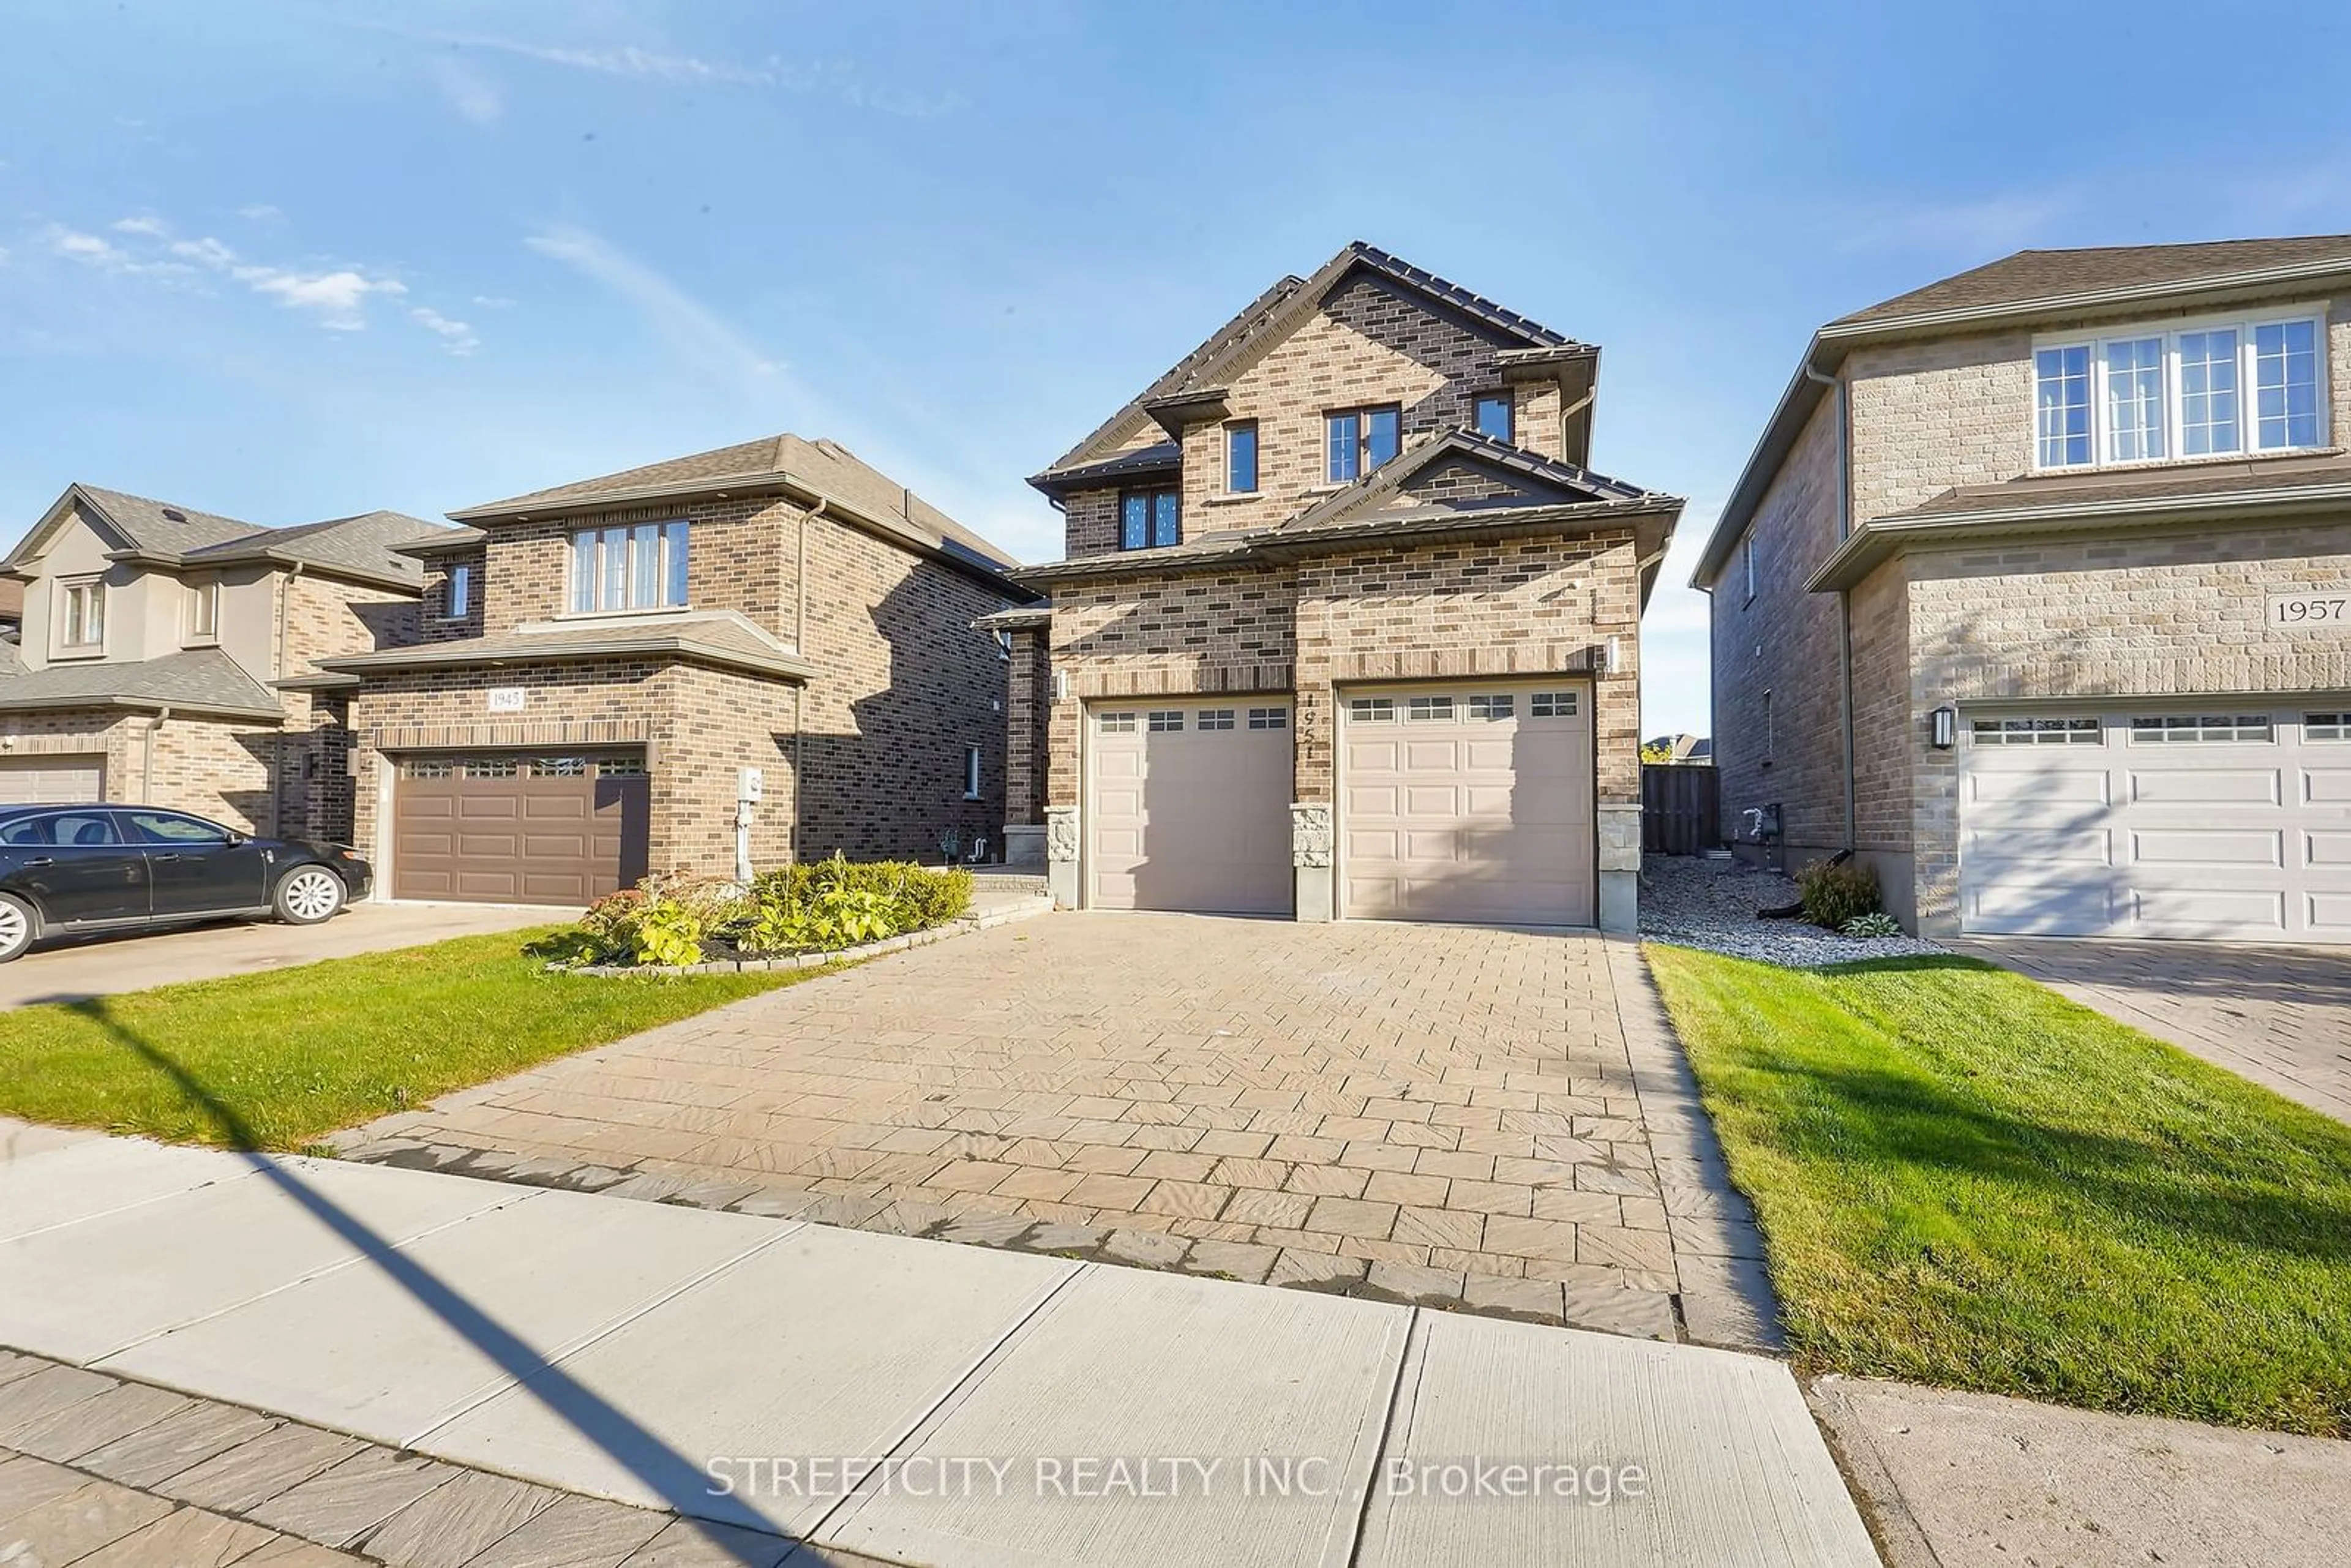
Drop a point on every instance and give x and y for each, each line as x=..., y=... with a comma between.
x=2026, y=907
x=2327, y=847
x=2326, y=786
x=2206, y=911
x=2206, y=787
x=2039, y=846
x=2329, y=915
x=52, y=780
x=2038, y=789
x=2210, y=846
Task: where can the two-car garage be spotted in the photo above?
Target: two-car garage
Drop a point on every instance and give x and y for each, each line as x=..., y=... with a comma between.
x=2207, y=819
x=1464, y=802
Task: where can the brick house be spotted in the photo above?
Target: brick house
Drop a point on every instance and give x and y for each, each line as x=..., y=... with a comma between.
x=1345, y=626
x=607, y=672
x=162, y=651
x=2036, y=593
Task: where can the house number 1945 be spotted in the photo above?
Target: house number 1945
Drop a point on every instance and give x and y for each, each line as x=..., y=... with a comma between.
x=2311, y=611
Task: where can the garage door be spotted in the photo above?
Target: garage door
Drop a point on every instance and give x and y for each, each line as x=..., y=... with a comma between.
x=51, y=780
x=527, y=828
x=2221, y=821
x=1190, y=806
x=1468, y=802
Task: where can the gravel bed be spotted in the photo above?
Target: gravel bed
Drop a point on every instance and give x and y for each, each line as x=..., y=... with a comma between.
x=1697, y=902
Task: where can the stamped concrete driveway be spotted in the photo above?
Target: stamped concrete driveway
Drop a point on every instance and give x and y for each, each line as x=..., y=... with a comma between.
x=76, y=970
x=2279, y=1015
x=1444, y=1114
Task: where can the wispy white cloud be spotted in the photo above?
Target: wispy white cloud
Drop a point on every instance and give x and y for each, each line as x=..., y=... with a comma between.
x=695, y=331
x=336, y=300
x=259, y=212
x=153, y=227
x=457, y=337
x=98, y=251
x=468, y=91
x=493, y=302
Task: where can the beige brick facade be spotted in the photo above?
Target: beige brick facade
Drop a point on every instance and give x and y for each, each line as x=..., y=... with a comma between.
x=2133, y=607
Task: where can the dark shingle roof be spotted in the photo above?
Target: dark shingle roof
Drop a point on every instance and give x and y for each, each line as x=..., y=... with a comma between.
x=825, y=466
x=1265, y=317
x=2038, y=277
x=162, y=528
x=728, y=640
x=201, y=680
x=2283, y=476
x=367, y=545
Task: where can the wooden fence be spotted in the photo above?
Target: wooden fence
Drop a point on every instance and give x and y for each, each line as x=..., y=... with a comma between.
x=1680, y=809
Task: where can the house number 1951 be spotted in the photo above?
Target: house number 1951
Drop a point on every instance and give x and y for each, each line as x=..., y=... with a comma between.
x=2311, y=611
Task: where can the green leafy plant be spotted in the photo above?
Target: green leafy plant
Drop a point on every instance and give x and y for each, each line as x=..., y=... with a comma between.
x=1832, y=894
x=666, y=920
x=669, y=933
x=1876, y=923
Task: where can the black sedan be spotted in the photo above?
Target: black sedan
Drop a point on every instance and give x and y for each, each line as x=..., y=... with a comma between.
x=84, y=869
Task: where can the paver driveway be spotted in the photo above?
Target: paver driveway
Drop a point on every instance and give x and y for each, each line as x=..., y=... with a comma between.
x=2279, y=1015
x=1436, y=1111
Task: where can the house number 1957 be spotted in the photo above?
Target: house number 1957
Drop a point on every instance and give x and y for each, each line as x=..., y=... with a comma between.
x=2311, y=611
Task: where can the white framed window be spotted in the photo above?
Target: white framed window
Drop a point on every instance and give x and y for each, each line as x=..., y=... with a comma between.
x=641, y=567
x=2175, y=729
x=457, y=598
x=1557, y=704
x=1268, y=718
x=1747, y=554
x=1216, y=718
x=2327, y=727
x=2037, y=732
x=1114, y=723
x=1499, y=706
x=1165, y=721
x=1771, y=731
x=1427, y=710
x=81, y=618
x=2216, y=387
x=203, y=611
x=971, y=772
x=1371, y=710
x=1240, y=457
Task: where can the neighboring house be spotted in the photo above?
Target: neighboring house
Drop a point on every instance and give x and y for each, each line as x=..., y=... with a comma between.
x=12, y=609
x=157, y=648
x=1681, y=748
x=1346, y=628
x=622, y=675
x=2037, y=594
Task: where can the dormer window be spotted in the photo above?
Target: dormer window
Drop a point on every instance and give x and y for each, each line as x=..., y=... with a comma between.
x=83, y=624
x=2195, y=390
x=1494, y=415
x=639, y=568
x=1361, y=440
x=1148, y=519
x=203, y=611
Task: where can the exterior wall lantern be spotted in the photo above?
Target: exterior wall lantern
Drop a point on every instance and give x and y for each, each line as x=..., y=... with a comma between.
x=1943, y=727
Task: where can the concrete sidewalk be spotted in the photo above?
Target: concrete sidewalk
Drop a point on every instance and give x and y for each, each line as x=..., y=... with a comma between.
x=912, y=1400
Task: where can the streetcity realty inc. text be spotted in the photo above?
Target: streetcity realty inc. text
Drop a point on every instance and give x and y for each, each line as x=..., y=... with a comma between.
x=1110, y=1477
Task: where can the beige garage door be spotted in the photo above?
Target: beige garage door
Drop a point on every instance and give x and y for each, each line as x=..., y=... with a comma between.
x=1190, y=806
x=51, y=780
x=519, y=828
x=1468, y=802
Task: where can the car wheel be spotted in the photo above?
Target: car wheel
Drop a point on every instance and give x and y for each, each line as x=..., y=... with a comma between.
x=18, y=926
x=309, y=894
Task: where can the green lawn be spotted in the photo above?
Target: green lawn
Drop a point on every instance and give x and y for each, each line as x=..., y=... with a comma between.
x=274, y=1061
x=1965, y=1179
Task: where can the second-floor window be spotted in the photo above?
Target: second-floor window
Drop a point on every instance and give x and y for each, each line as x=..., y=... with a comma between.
x=1149, y=517
x=1494, y=415
x=83, y=625
x=203, y=611
x=1361, y=440
x=457, y=600
x=1240, y=458
x=2209, y=388
x=639, y=568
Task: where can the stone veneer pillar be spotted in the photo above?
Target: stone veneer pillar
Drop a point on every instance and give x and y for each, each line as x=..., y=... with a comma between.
x=1309, y=856
x=1619, y=826
x=1061, y=854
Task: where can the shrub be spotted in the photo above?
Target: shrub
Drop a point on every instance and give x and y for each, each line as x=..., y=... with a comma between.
x=676, y=918
x=1877, y=923
x=1832, y=894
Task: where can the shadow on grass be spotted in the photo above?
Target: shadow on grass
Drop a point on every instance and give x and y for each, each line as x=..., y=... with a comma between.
x=681, y=1483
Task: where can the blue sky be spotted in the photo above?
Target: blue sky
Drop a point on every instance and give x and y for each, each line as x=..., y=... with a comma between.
x=287, y=262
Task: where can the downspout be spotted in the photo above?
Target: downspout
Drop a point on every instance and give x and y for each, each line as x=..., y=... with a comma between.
x=799, y=692
x=800, y=579
x=1845, y=597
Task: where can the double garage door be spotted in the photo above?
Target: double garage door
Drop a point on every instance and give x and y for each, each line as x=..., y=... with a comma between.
x=1460, y=802
x=2219, y=821
x=519, y=826
x=52, y=780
